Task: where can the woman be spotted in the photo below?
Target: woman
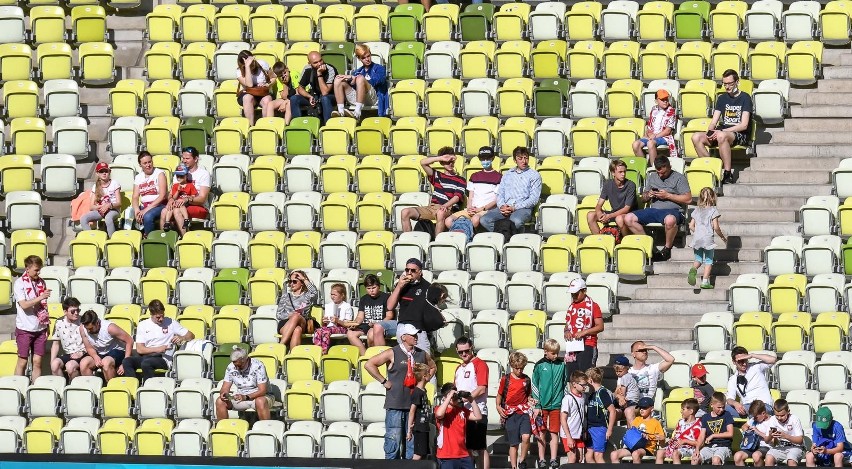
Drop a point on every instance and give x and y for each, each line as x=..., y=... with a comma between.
x=104, y=201
x=255, y=77
x=294, y=308
x=149, y=193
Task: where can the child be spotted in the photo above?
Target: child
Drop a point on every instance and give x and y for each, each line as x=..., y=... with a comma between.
x=513, y=406
x=181, y=190
x=452, y=417
x=829, y=441
x=600, y=415
x=648, y=425
x=626, y=390
x=758, y=422
x=787, y=436
x=719, y=427
x=337, y=314
x=660, y=128
x=573, y=417
x=705, y=221
x=686, y=437
x=285, y=90
x=548, y=389
x=418, y=418
x=702, y=389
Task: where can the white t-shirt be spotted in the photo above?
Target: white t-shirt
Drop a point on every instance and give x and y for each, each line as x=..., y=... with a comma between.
x=149, y=190
x=259, y=78
x=200, y=177
x=68, y=334
x=793, y=426
x=647, y=379
x=469, y=377
x=25, y=319
x=103, y=342
x=342, y=311
x=153, y=335
x=110, y=192
x=575, y=408
x=246, y=383
x=756, y=385
x=764, y=428
x=631, y=387
x=484, y=188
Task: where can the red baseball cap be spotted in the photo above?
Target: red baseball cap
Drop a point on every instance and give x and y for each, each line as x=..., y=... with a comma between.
x=698, y=370
x=101, y=166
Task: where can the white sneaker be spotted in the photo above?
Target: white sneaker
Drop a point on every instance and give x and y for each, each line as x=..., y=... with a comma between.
x=336, y=114
x=349, y=113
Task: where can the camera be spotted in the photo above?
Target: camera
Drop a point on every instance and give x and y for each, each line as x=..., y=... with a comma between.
x=463, y=394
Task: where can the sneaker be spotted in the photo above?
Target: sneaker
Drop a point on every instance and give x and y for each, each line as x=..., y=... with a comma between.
x=706, y=284
x=185, y=224
x=663, y=254
x=728, y=177
x=522, y=465
x=336, y=114
x=554, y=464
x=693, y=272
x=349, y=113
x=541, y=464
x=168, y=227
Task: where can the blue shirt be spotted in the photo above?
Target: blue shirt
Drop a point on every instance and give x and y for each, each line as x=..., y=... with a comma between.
x=520, y=189
x=377, y=77
x=830, y=437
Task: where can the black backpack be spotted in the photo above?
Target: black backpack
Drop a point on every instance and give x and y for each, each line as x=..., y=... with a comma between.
x=506, y=228
x=426, y=226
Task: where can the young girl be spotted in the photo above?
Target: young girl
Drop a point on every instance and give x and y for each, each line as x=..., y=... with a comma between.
x=705, y=221
x=686, y=437
x=285, y=90
x=104, y=201
x=337, y=313
x=181, y=190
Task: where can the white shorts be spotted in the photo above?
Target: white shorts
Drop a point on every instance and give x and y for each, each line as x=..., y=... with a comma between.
x=370, y=97
x=783, y=453
x=709, y=452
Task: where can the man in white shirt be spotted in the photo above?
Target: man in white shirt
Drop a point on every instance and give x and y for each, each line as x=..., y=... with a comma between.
x=31, y=318
x=244, y=387
x=472, y=376
x=648, y=376
x=66, y=332
x=156, y=340
x=787, y=436
x=196, y=206
x=749, y=382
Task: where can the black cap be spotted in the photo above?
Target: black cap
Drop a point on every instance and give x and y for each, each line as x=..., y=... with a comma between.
x=486, y=152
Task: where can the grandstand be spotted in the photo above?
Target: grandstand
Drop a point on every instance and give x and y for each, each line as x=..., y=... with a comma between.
x=86, y=81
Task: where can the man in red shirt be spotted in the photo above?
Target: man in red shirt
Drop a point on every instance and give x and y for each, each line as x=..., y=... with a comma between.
x=472, y=376
x=584, y=321
x=451, y=418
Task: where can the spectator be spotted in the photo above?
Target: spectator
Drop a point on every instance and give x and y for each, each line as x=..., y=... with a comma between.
x=650, y=427
x=399, y=385
x=481, y=189
x=447, y=194
x=254, y=77
x=374, y=317
x=830, y=447
x=513, y=398
x=660, y=129
x=410, y=294
x=731, y=124
x=104, y=202
x=686, y=437
x=285, y=91
x=548, y=384
x=31, y=317
x=106, y=343
x=319, y=77
x=647, y=376
x=149, y=193
x=452, y=417
x=748, y=383
x=368, y=85
x=338, y=314
x=182, y=190
x=157, y=338
x=418, y=423
x=247, y=376
x=702, y=390
x=472, y=376
x=294, y=308
x=66, y=332
x=787, y=436
x=626, y=389
x=759, y=422
x=667, y=191
x=719, y=427
x=196, y=205
x=572, y=418
x=705, y=221
x=621, y=195
x=518, y=194
x=583, y=321
x=600, y=417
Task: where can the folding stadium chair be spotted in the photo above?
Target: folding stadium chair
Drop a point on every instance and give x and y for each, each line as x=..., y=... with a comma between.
x=582, y=21
x=801, y=21
x=546, y=21
x=617, y=20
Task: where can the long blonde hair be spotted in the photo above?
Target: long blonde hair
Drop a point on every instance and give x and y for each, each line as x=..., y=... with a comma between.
x=99, y=188
x=707, y=198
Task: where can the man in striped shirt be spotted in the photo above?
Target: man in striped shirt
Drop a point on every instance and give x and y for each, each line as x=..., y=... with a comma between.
x=447, y=194
x=519, y=192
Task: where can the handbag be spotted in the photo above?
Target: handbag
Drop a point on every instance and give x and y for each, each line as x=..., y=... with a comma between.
x=258, y=91
x=634, y=439
x=750, y=442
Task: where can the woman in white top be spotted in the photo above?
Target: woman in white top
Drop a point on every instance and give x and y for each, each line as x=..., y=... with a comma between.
x=149, y=193
x=254, y=76
x=105, y=200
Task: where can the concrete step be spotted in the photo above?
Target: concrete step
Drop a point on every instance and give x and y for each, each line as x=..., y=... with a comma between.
x=768, y=163
x=818, y=98
x=784, y=177
x=762, y=215
x=723, y=255
x=622, y=346
x=775, y=190
x=719, y=268
x=672, y=307
x=837, y=72
x=653, y=334
x=822, y=110
x=732, y=228
x=665, y=321
x=721, y=282
x=800, y=150
x=838, y=84
x=729, y=203
x=741, y=242
x=129, y=53
x=681, y=291
x=840, y=56
x=812, y=138
x=810, y=124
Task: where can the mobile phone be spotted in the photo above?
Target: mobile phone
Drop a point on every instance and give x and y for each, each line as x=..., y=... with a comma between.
x=710, y=133
x=772, y=429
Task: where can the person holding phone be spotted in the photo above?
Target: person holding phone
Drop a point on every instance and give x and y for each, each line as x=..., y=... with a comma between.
x=787, y=436
x=830, y=447
x=410, y=294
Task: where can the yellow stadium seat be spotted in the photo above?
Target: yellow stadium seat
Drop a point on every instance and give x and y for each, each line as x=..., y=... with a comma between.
x=372, y=172
x=371, y=351
x=830, y=331
x=300, y=22
x=525, y=329
x=752, y=330
x=230, y=23
x=834, y=22
x=122, y=249
x=41, y=435
x=372, y=250
x=584, y=60
x=692, y=60
x=439, y=23
x=97, y=63
x=16, y=61
x=656, y=59
x=726, y=20
x=582, y=20
x=728, y=55
x=162, y=22
x=766, y=60
x=442, y=98
x=595, y=254
x=265, y=286
x=54, y=61
x=619, y=60
x=547, y=59
x=339, y=364
x=476, y=58
x=804, y=62
x=302, y=399
x=118, y=395
x=633, y=255
x=152, y=437
x=786, y=293
x=791, y=332
x=370, y=23
x=47, y=24
x=196, y=23
x=510, y=22
x=654, y=21
x=26, y=243
x=228, y=436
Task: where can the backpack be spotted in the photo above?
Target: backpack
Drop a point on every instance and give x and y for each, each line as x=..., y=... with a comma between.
x=426, y=226
x=506, y=228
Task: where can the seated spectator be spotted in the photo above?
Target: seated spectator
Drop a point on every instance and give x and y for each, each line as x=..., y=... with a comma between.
x=518, y=194
x=181, y=191
x=254, y=77
x=447, y=194
x=719, y=430
x=668, y=192
x=105, y=200
x=316, y=88
x=686, y=437
x=830, y=447
x=31, y=317
x=149, y=193
x=374, y=318
x=660, y=129
x=748, y=383
x=157, y=338
x=107, y=344
x=66, y=332
x=648, y=425
x=285, y=91
x=702, y=390
x=759, y=422
x=648, y=375
x=245, y=387
x=787, y=436
x=621, y=195
x=337, y=317
x=196, y=205
x=366, y=86
x=294, y=309
x=626, y=389
x=481, y=190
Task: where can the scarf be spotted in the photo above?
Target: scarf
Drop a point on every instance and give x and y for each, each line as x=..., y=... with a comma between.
x=410, y=381
x=37, y=288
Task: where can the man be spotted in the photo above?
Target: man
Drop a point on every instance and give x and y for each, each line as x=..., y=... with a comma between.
x=368, y=85
x=319, y=77
x=399, y=359
x=247, y=376
x=733, y=111
x=647, y=376
x=66, y=332
x=156, y=340
x=31, y=317
x=621, y=195
x=548, y=387
x=659, y=130
x=520, y=189
x=481, y=190
x=748, y=383
x=454, y=416
x=107, y=344
x=668, y=192
x=447, y=192
x=584, y=321
x=472, y=376
x=196, y=206
x=410, y=294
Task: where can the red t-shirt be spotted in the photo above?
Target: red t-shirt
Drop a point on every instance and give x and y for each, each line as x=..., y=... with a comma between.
x=581, y=316
x=451, y=434
x=188, y=189
x=518, y=392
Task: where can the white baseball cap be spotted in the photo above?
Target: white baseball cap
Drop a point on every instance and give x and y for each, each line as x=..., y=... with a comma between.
x=576, y=285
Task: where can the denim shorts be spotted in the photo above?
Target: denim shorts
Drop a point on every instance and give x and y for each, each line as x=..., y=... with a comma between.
x=657, y=215
x=659, y=141
x=704, y=256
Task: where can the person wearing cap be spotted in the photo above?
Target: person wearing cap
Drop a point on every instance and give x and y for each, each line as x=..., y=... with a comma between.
x=149, y=193
x=830, y=447
x=626, y=388
x=621, y=195
x=105, y=200
x=410, y=294
x=518, y=194
x=400, y=381
x=648, y=375
x=659, y=130
x=648, y=425
x=583, y=321
x=196, y=206
x=481, y=189
x=748, y=383
x=244, y=387
x=182, y=190
x=702, y=390
x=447, y=192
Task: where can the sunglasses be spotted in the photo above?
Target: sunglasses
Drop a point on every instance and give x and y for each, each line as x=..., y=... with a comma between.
x=642, y=350
x=103, y=171
x=412, y=270
x=294, y=280
x=190, y=150
x=742, y=362
x=464, y=352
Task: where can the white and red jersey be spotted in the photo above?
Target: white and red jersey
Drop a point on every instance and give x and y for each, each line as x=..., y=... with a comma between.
x=581, y=316
x=470, y=377
x=451, y=434
x=149, y=189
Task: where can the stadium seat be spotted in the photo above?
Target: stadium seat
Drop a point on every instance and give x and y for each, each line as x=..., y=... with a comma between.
x=617, y=20
x=783, y=254
x=801, y=21
x=582, y=21
x=654, y=21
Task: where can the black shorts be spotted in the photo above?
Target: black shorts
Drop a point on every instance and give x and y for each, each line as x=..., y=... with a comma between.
x=517, y=425
x=741, y=139
x=475, y=434
x=67, y=358
x=117, y=355
x=421, y=444
x=364, y=327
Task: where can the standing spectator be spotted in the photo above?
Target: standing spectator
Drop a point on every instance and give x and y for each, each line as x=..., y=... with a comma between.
x=31, y=317
x=182, y=190
x=548, y=386
x=620, y=192
x=572, y=418
x=294, y=308
x=702, y=390
x=626, y=389
x=788, y=436
x=157, y=338
x=452, y=417
x=472, y=376
x=513, y=398
x=105, y=200
x=660, y=129
x=400, y=360
x=686, y=437
x=704, y=222
x=481, y=189
x=244, y=387
x=759, y=422
x=410, y=294
x=285, y=92
x=367, y=85
x=600, y=417
x=149, y=193
x=447, y=194
x=254, y=77
x=319, y=77
x=748, y=383
x=667, y=191
x=337, y=315
x=731, y=124
x=196, y=205
x=647, y=376
x=719, y=427
x=518, y=194
x=418, y=424
x=830, y=447
x=66, y=332
x=374, y=317
x=107, y=344
x=650, y=427
x=583, y=321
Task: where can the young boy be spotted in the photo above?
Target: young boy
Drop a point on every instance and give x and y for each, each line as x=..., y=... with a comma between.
x=686, y=437
x=648, y=425
x=702, y=389
x=760, y=422
x=719, y=427
x=548, y=388
x=572, y=417
x=418, y=423
x=830, y=447
x=787, y=436
x=285, y=91
x=452, y=416
x=626, y=390
x=513, y=406
x=600, y=417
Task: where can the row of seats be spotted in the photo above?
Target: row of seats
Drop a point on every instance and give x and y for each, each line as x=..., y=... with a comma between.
x=30, y=137
x=71, y=4
x=790, y=293
x=47, y=25
x=61, y=98
x=95, y=63
x=790, y=254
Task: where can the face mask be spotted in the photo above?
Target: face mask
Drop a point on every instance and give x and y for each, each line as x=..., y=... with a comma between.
x=486, y=164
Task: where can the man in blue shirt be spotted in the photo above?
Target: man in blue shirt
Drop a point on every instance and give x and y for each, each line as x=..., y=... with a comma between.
x=519, y=192
x=367, y=86
x=829, y=441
